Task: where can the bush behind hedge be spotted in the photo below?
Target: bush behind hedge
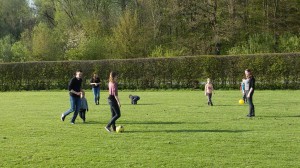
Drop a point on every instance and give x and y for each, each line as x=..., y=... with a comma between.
x=272, y=71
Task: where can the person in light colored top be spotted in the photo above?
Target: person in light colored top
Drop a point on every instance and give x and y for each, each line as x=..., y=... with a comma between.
x=113, y=101
x=208, y=91
x=243, y=89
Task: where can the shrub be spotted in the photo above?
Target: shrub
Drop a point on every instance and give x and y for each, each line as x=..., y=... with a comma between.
x=272, y=71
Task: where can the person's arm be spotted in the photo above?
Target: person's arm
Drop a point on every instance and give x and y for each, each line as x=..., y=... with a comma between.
x=251, y=86
x=87, y=106
x=205, y=88
x=74, y=92
x=118, y=100
x=92, y=82
x=115, y=93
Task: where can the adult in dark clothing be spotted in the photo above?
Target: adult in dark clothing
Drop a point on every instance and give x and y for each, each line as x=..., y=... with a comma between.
x=113, y=101
x=95, y=82
x=134, y=99
x=250, y=92
x=75, y=100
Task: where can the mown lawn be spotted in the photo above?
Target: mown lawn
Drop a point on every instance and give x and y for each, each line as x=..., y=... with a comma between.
x=165, y=129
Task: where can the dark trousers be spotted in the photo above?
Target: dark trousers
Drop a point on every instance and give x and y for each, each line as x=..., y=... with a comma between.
x=209, y=96
x=251, y=105
x=115, y=113
x=82, y=114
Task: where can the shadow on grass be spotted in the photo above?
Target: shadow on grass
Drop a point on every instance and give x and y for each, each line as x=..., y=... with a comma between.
x=279, y=116
x=189, y=131
x=160, y=122
x=224, y=105
x=141, y=104
x=94, y=122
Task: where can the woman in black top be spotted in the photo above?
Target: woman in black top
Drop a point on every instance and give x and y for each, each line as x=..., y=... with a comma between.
x=250, y=93
x=95, y=82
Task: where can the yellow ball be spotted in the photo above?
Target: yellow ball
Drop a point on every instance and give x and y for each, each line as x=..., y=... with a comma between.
x=120, y=129
x=241, y=101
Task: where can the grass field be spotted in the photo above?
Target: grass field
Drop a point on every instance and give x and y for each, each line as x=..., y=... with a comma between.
x=165, y=129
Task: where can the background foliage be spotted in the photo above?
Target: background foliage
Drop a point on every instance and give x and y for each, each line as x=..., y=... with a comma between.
x=54, y=30
x=272, y=71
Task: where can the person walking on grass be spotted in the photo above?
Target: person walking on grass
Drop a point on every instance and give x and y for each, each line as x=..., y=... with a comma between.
x=74, y=88
x=249, y=88
x=208, y=91
x=84, y=106
x=95, y=83
x=113, y=101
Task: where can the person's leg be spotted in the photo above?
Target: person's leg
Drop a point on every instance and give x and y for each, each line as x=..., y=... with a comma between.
x=98, y=95
x=112, y=114
x=72, y=108
x=83, y=114
x=115, y=115
x=251, y=106
x=77, y=107
x=210, y=96
x=95, y=94
x=208, y=102
x=245, y=96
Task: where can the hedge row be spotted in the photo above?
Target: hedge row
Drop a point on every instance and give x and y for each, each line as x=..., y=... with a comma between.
x=272, y=71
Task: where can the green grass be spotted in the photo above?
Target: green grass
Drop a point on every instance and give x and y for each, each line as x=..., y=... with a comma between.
x=166, y=129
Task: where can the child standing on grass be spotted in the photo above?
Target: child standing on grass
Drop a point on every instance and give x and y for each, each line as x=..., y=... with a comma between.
x=208, y=90
x=84, y=106
x=243, y=90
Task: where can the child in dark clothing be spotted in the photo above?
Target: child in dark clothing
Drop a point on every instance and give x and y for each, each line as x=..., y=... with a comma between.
x=84, y=106
x=134, y=99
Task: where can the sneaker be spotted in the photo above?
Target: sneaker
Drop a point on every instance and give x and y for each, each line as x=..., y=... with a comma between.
x=62, y=117
x=107, y=129
x=72, y=123
x=114, y=129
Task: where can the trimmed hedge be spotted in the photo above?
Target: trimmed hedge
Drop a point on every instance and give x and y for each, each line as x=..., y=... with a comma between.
x=272, y=71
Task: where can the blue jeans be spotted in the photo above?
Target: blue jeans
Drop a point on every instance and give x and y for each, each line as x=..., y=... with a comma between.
x=96, y=92
x=75, y=103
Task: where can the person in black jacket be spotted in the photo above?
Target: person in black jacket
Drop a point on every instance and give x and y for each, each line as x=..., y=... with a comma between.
x=75, y=100
x=250, y=92
x=95, y=83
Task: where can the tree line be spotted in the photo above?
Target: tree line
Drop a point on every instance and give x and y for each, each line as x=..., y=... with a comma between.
x=54, y=30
